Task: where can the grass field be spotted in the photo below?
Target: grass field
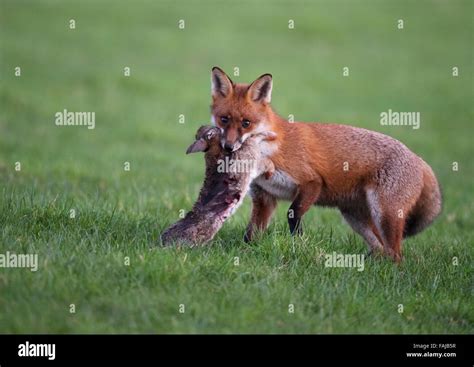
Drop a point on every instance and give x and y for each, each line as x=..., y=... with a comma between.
x=119, y=214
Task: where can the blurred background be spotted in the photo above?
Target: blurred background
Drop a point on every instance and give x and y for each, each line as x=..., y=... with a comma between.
x=137, y=117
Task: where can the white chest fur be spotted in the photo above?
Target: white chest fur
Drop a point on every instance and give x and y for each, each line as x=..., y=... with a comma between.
x=280, y=185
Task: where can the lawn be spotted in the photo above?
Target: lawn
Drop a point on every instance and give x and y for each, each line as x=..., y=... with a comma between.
x=66, y=196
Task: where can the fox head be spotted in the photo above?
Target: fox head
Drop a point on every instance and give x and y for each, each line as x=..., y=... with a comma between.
x=240, y=110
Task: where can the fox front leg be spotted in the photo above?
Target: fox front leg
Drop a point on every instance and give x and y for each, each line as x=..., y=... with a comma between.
x=263, y=206
x=306, y=197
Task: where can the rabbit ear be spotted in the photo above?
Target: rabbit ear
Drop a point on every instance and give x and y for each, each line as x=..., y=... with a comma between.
x=199, y=145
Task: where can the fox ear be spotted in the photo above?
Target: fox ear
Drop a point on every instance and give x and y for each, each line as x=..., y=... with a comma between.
x=199, y=145
x=261, y=89
x=221, y=84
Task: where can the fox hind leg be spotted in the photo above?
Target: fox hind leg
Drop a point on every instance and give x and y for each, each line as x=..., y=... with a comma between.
x=389, y=223
x=362, y=224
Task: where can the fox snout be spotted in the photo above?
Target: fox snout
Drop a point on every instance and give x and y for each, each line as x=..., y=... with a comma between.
x=230, y=147
x=231, y=140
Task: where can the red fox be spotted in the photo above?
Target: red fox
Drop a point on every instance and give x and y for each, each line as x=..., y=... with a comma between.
x=384, y=191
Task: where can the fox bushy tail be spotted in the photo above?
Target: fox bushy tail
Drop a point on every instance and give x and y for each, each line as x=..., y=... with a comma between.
x=428, y=205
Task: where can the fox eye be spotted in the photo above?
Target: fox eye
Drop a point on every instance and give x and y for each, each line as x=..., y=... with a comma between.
x=224, y=119
x=245, y=124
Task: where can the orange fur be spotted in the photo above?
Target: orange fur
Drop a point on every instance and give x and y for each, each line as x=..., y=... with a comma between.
x=384, y=190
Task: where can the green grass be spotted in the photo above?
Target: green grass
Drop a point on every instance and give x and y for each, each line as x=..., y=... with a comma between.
x=120, y=214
